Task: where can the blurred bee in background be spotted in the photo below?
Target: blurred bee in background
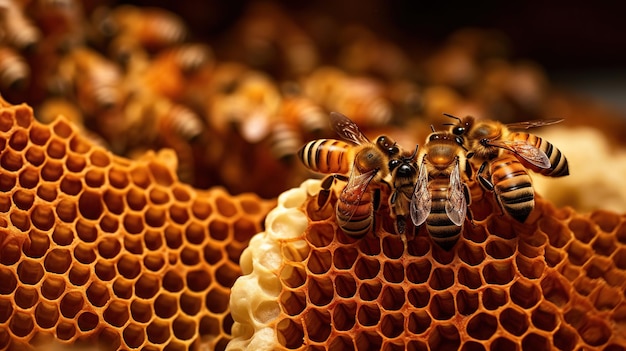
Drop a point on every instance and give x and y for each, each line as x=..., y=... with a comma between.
x=297, y=116
x=512, y=90
x=268, y=38
x=441, y=197
x=364, y=52
x=61, y=21
x=94, y=81
x=485, y=139
x=173, y=71
x=247, y=101
x=179, y=127
x=361, y=97
x=363, y=160
x=14, y=71
x=18, y=31
x=403, y=170
x=131, y=29
x=176, y=120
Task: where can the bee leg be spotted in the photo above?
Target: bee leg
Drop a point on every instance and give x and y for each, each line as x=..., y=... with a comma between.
x=400, y=225
x=375, y=206
x=410, y=234
x=468, y=200
x=404, y=236
x=468, y=169
x=486, y=183
x=324, y=195
x=400, y=221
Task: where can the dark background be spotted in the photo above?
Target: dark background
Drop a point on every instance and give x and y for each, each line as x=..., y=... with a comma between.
x=581, y=44
x=557, y=34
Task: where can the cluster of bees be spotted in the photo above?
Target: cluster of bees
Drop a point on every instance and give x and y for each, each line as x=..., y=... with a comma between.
x=243, y=101
x=431, y=185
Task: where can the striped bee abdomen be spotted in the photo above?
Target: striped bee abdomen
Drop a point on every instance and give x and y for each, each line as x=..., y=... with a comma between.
x=512, y=186
x=326, y=156
x=558, y=162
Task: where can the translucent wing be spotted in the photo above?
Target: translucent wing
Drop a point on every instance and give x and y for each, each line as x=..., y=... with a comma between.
x=421, y=200
x=524, y=150
x=534, y=124
x=456, y=204
x=347, y=129
x=354, y=190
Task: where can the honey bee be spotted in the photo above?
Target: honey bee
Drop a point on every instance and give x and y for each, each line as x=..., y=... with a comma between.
x=361, y=97
x=440, y=197
x=357, y=202
x=151, y=27
x=179, y=121
x=359, y=162
x=300, y=109
x=188, y=58
x=506, y=172
x=18, y=30
x=14, y=71
x=403, y=177
x=485, y=139
x=328, y=156
x=132, y=29
x=96, y=80
x=247, y=103
x=511, y=184
x=297, y=115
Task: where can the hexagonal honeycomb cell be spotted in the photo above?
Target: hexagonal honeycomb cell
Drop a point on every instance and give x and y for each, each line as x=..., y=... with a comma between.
x=99, y=250
x=557, y=282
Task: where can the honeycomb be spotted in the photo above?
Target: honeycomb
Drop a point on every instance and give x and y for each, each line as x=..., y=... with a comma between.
x=557, y=282
x=99, y=250
x=587, y=188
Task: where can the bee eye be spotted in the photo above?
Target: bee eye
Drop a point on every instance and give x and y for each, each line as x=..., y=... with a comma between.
x=458, y=130
x=383, y=142
x=393, y=164
x=386, y=144
x=405, y=171
x=434, y=137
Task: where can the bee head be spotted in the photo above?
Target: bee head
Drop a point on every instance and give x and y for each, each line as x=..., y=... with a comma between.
x=394, y=163
x=387, y=145
x=440, y=136
x=462, y=126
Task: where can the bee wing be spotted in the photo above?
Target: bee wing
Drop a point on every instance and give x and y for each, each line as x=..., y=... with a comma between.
x=354, y=190
x=421, y=200
x=524, y=150
x=347, y=129
x=533, y=124
x=456, y=204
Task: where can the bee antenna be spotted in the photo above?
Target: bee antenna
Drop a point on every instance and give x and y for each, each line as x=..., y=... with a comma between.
x=447, y=124
x=452, y=116
x=415, y=152
x=432, y=127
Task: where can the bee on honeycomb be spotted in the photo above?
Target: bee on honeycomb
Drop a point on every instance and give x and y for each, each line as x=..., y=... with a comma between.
x=556, y=282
